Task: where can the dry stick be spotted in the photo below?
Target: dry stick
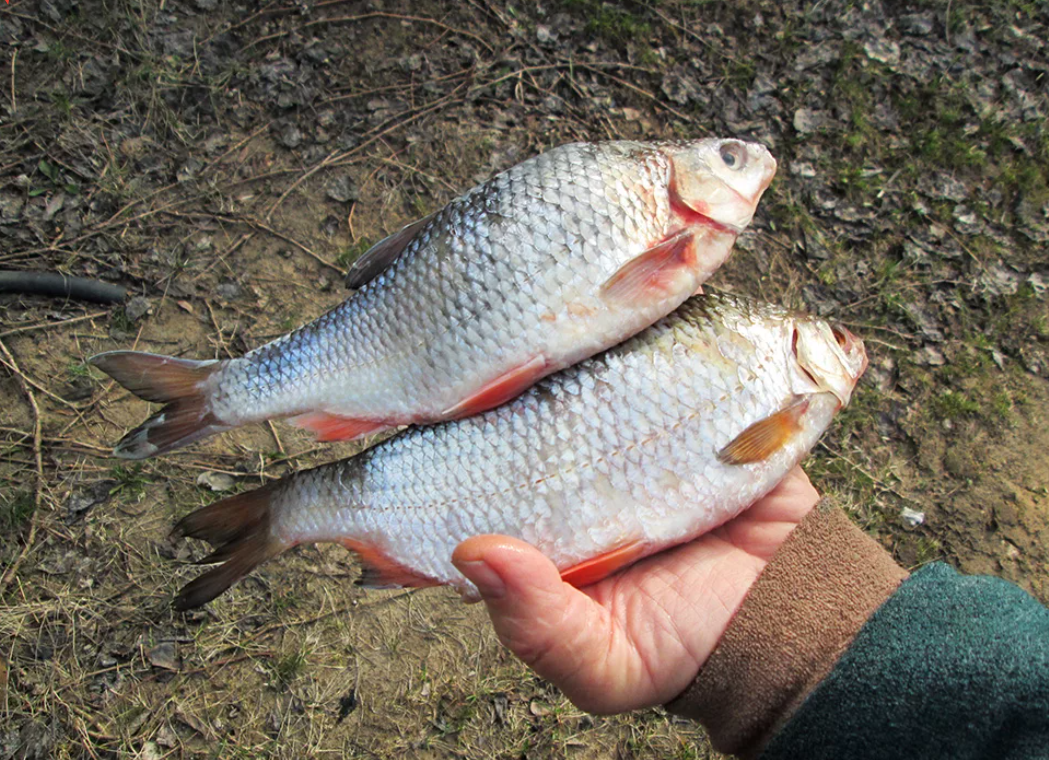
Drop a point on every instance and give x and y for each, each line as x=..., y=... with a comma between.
x=698, y=38
x=397, y=16
x=49, y=325
x=221, y=258
x=9, y=574
x=14, y=101
x=635, y=88
x=215, y=162
x=41, y=388
x=337, y=159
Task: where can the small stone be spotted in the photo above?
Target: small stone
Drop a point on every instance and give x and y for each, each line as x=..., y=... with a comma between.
x=343, y=189
x=807, y=121
x=802, y=169
x=915, y=24
x=912, y=517
x=137, y=307
x=216, y=481
x=164, y=656
x=291, y=136
x=544, y=35
x=883, y=51
x=150, y=750
x=166, y=737
x=228, y=290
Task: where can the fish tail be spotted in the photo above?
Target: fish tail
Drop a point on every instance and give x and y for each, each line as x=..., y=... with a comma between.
x=239, y=527
x=176, y=383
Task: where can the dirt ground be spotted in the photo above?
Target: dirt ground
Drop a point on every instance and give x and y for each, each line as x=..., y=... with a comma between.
x=225, y=162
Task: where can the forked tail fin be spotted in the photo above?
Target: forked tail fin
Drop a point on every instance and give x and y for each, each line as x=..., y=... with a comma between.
x=176, y=383
x=239, y=527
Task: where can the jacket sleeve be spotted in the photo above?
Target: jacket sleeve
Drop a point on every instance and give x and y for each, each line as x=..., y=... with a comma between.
x=836, y=653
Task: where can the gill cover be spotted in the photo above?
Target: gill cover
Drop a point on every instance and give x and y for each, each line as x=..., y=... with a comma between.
x=832, y=358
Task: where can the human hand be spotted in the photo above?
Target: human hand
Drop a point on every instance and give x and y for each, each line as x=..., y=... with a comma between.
x=639, y=637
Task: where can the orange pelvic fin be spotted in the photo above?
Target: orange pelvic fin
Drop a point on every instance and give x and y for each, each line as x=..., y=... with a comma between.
x=652, y=272
x=378, y=570
x=765, y=437
x=239, y=529
x=176, y=383
x=505, y=387
x=333, y=427
x=602, y=566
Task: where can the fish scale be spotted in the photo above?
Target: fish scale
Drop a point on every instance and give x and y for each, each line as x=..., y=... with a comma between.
x=626, y=448
x=507, y=283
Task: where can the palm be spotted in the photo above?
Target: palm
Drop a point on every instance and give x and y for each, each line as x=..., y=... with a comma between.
x=639, y=637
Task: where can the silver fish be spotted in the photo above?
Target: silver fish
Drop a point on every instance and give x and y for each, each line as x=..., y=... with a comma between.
x=546, y=264
x=647, y=445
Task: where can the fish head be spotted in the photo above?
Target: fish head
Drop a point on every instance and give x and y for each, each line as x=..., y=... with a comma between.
x=719, y=180
x=829, y=358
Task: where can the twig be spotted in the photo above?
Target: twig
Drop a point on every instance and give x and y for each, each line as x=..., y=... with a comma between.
x=14, y=101
x=338, y=159
x=399, y=17
x=215, y=162
x=276, y=438
x=9, y=574
x=49, y=325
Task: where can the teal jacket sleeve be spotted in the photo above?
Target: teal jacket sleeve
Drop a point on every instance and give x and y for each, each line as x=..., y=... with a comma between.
x=949, y=666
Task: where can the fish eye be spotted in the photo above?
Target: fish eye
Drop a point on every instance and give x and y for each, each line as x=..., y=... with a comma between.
x=734, y=155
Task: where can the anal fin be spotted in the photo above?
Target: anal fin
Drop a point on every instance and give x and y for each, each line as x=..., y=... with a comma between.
x=500, y=390
x=603, y=565
x=651, y=273
x=765, y=437
x=379, y=570
x=333, y=427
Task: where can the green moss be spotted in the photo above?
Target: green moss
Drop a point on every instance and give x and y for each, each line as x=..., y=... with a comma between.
x=953, y=405
x=609, y=21
x=353, y=252
x=16, y=510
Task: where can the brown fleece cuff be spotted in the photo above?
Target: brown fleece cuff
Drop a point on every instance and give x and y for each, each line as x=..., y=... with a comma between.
x=801, y=614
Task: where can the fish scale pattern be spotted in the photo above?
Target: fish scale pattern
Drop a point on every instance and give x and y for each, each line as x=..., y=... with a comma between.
x=619, y=448
x=474, y=293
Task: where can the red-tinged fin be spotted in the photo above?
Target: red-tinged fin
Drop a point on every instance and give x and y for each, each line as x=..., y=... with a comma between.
x=376, y=259
x=507, y=386
x=333, y=427
x=652, y=273
x=239, y=528
x=379, y=570
x=177, y=383
x=765, y=437
x=602, y=566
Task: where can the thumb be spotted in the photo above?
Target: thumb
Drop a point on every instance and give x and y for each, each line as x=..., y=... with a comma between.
x=558, y=631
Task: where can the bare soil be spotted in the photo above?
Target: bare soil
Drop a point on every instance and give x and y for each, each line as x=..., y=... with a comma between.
x=225, y=162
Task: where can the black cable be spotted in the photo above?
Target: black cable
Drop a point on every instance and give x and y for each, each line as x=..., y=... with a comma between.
x=55, y=284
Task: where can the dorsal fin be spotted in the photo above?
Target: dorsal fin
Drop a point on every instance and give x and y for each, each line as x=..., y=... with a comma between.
x=374, y=261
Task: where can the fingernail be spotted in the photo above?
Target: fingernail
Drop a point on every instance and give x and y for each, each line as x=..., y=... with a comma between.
x=484, y=577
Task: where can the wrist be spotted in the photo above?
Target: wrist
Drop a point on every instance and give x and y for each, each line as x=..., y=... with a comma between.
x=799, y=616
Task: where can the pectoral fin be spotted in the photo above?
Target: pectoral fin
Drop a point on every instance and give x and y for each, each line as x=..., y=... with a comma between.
x=765, y=437
x=651, y=273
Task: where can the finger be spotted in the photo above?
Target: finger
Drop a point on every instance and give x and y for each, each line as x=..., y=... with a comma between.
x=558, y=631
